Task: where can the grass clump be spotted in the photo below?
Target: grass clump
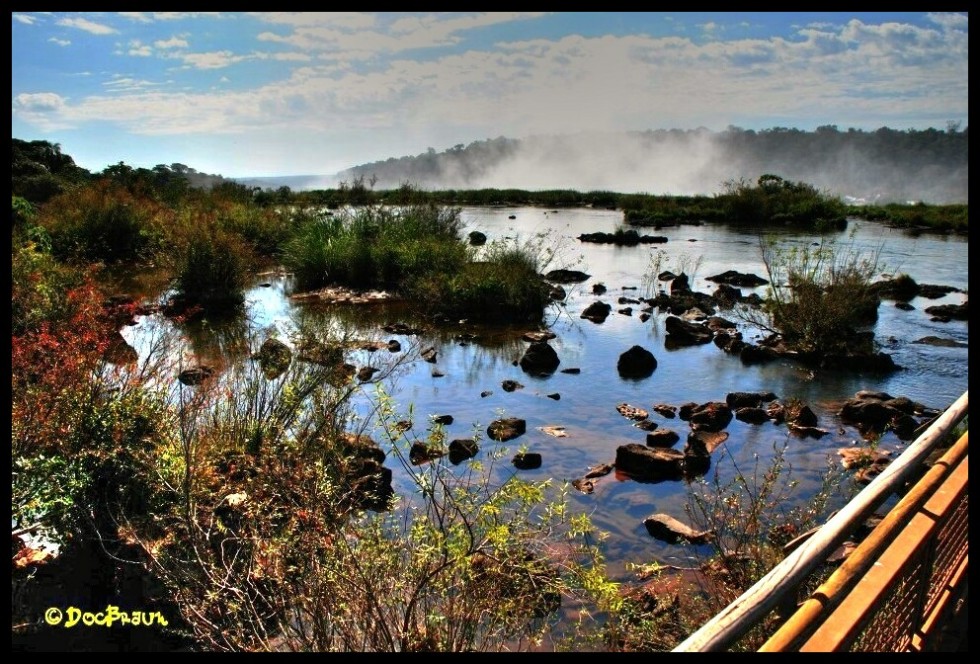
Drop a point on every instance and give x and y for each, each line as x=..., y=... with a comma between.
x=103, y=222
x=819, y=297
x=775, y=200
x=416, y=251
x=212, y=268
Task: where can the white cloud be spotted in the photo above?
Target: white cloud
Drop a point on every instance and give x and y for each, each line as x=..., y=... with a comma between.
x=59, y=42
x=173, y=42
x=87, y=26
x=856, y=74
x=39, y=102
x=177, y=16
x=139, y=49
x=26, y=19
x=139, y=17
x=950, y=21
x=352, y=39
x=342, y=20
x=212, y=60
x=291, y=57
x=127, y=84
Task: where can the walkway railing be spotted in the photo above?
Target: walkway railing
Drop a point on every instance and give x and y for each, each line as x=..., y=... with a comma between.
x=783, y=581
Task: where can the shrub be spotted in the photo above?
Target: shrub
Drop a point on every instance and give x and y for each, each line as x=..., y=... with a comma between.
x=267, y=542
x=775, y=200
x=212, y=269
x=752, y=516
x=818, y=296
x=505, y=286
x=104, y=222
x=376, y=247
x=78, y=426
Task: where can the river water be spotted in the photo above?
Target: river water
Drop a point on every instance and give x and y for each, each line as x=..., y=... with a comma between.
x=586, y=406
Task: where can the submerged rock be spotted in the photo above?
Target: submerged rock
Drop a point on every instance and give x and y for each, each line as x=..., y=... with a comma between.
x=567, y=276
x=669, y=529
x=507, y=428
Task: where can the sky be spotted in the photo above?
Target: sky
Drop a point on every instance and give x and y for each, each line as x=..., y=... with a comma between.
x=287, y=93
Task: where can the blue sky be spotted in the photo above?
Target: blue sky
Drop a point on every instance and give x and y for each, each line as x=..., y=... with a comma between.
x=261, y=94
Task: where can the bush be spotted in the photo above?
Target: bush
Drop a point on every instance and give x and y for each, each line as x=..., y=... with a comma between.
x=212, y=269
x=818, y=296
x=503, y=287
x=376, y=247
x=267, y=541
x=103, y=222
x=775, y=200
x=78, y=427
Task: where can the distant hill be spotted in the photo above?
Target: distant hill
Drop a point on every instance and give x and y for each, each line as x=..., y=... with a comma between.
x=884, y=165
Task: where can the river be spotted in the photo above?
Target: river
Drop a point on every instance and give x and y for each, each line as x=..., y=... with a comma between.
x=586, y=402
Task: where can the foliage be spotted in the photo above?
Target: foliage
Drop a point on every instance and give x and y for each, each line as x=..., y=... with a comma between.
x=78, y=425
x=917, y=216
x=775, y=200
x=267, y=544
x=212, y=267
x=39, y=170
x=751, y=522
x=103, y=222
x=376, y=247
x=818, y=296
x=505, y=285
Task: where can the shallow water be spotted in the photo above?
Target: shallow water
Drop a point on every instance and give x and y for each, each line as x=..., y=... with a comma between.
x=934, y=376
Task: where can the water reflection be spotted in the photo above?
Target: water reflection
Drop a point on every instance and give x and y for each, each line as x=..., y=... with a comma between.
x=472, y=361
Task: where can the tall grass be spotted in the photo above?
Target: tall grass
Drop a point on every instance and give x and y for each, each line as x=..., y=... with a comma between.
x=376, y=247
x=103, y=222
x=212, y=268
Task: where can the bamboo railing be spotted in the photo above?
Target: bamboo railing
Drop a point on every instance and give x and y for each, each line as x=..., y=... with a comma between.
x=783, y=581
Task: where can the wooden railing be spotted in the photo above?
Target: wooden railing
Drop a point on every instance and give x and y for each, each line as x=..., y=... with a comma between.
x=783, y=581
x=890, y=594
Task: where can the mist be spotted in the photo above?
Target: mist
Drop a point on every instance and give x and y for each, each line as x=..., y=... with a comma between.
x=881, y=166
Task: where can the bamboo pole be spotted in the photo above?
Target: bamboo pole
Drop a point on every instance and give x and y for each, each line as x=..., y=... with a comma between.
x=829, y=595
x=753, y=605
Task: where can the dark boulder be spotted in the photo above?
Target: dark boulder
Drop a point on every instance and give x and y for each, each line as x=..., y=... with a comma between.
x=567, y=276
x=662, y=438
x=597, y=312
x=954, y=311
x=684, y=333
x=421, y=453
x=540, y=359
x=752, y=415
x=652, y=463
x=734, y=278
x=637, y=362
x=477, y=238
x=506, y=429
x=710, y=416
x=527, y=460
x=680, y=285
x=462, y=449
